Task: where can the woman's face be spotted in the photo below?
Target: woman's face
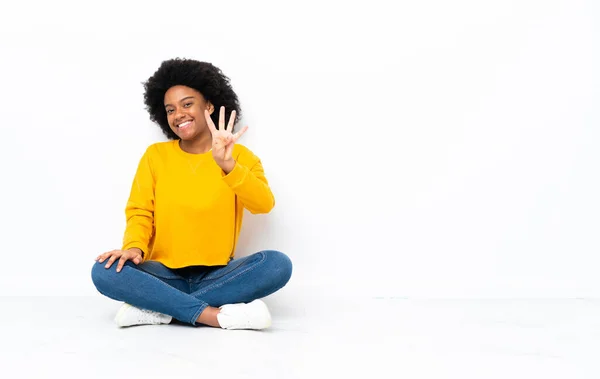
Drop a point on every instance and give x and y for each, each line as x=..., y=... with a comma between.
x=185, y=112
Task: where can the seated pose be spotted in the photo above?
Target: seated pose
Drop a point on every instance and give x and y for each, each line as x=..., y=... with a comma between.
x=184, y=213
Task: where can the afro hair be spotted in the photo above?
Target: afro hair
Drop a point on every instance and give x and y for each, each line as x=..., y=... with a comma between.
x=201, y=76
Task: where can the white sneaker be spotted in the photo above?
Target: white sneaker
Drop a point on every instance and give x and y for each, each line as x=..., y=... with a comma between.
x=129, y=315
x=254, y=315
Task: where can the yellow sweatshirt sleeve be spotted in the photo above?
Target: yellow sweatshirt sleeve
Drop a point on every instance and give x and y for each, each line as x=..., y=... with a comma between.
x=139, y=211
x=247, y=180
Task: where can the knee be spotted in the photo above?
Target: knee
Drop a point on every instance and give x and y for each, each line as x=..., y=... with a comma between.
x=281, y=266
x=105, y=278
x=100, y=275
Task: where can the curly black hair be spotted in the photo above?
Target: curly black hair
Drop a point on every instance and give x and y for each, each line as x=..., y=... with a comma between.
x=204, y=77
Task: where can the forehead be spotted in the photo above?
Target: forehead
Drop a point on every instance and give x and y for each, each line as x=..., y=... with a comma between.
x=179, y=92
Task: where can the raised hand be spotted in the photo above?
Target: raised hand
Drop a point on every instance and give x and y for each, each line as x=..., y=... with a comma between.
x=223, y=140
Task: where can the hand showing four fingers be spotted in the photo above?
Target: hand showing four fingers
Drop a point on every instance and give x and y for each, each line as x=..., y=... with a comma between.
x=223, y=140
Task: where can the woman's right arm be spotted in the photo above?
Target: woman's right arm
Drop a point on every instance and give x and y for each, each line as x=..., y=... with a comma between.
x=139, y=211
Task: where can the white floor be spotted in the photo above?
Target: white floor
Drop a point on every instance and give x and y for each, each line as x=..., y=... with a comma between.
x=333, y=338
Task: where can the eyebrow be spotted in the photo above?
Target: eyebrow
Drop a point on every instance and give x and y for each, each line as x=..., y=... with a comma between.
x=185, y=98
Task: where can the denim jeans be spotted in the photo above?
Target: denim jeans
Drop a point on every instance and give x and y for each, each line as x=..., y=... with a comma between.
x=185, y=292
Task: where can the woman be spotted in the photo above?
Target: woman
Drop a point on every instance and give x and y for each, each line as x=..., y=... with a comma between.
x=185, y=210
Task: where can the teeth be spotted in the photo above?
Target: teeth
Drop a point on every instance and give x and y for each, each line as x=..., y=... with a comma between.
x=184, y=124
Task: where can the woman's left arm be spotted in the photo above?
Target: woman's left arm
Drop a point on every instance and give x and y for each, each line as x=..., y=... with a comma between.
x=249, y=183
x=242, y=170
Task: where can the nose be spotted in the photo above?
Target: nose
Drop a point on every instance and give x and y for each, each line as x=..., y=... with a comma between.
x=179, y=115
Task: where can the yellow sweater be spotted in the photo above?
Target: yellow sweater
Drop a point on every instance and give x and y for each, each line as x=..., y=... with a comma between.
x=184, y=211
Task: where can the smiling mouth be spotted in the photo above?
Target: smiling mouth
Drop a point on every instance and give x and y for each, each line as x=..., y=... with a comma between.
x=184, y=125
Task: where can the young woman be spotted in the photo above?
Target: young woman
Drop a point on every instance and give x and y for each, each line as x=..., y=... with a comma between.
x=185, y=210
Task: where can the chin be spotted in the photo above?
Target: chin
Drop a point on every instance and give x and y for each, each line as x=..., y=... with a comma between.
x=185, y=136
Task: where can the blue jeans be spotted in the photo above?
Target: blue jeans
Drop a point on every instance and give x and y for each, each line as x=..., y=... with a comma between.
x=185, y=292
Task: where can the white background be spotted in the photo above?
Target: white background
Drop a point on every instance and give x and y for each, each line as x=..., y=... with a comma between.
x=415, y=148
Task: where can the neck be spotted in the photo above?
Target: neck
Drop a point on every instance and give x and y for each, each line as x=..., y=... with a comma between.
x=199, y=145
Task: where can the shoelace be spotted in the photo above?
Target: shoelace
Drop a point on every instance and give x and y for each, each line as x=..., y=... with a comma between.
x=148, y=316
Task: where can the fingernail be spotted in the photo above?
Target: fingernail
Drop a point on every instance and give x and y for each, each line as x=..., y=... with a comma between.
x=106, y=266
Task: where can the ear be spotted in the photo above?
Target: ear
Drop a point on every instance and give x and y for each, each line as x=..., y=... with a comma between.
x=210, y=107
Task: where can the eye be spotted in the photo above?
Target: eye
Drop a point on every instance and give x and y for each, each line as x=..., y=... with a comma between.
x=187, y=105
x=169, y=111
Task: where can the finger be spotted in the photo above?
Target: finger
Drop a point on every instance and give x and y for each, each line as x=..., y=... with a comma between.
x=111, y=261
x=231, y=121
x=237, y=135
x=209, y=122
x=222, y=118
x=137, y=260
x=102, y=257
x=121, y=263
